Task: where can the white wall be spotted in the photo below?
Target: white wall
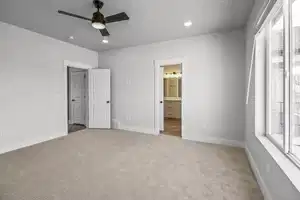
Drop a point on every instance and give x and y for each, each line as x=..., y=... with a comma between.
x=213, y=85
x=32, y=86
x=275, y=180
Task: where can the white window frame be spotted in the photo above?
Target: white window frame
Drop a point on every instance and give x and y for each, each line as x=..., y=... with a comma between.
x=288, y=77
x=268, y=25
x=289, y=63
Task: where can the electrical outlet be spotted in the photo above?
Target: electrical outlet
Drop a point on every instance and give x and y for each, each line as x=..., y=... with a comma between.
x=128, y=118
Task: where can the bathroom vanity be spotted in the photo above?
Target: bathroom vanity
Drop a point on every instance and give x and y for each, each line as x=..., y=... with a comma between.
x=172, y=98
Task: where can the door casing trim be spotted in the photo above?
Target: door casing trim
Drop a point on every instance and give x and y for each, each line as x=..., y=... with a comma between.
x=158, y=88
x=79, y=65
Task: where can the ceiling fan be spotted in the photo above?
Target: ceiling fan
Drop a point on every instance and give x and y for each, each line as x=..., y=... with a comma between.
x=98, y=20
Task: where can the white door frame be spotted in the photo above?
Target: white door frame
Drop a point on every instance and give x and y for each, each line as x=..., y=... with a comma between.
x=158, y=88
x=79, y=65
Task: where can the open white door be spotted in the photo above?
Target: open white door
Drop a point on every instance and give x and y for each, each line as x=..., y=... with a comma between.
x=99, y=99
x=161, y=99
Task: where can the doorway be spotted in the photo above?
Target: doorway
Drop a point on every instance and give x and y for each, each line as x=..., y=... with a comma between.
x=172, y=81
x=169, y=97
x=77, y=99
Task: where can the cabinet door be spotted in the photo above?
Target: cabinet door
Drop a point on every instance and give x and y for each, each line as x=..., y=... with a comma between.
x=176, y=109
x=168, y=109
x=166, y=87
x=173, y=87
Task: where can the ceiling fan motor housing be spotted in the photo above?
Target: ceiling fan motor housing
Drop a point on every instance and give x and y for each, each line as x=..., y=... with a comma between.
x=98, y=4
x=98, y=17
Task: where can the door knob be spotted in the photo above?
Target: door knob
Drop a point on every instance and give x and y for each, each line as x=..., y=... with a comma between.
x=161, y=101
x=73, y=99
x=108, y=102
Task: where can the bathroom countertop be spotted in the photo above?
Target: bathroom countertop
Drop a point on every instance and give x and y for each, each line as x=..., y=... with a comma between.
x=172, y=98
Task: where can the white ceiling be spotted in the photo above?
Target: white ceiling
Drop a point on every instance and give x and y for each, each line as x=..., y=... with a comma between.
x=151, y=20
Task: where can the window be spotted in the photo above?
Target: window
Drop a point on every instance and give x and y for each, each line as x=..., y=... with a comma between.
x=295, y=78
x=280, y=36
x=276, y=78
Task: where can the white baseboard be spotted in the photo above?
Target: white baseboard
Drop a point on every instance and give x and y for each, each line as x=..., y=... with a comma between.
x=119, y=126
x=24, y=144
x=261, y=183
x=137, y=129
x=212, y=140
x=115, y=124
x=215, y=140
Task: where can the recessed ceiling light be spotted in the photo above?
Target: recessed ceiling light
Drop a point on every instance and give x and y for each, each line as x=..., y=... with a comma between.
x=105, y=40
x=71, y=37
x=188, y=23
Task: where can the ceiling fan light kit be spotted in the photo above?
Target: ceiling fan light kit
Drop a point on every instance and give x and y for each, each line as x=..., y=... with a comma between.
x=98, y=25
x=99, y=21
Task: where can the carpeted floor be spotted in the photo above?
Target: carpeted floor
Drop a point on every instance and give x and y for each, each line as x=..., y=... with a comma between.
x=112, y=165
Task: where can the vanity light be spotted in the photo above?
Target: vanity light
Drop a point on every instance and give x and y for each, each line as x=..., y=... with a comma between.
x=172, y=75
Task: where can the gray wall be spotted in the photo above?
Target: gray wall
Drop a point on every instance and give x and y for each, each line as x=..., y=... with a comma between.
x=33, y=86
x=213, y=85
x=278, y=184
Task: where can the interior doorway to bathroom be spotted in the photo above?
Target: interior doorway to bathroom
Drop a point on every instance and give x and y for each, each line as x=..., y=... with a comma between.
x=169, y=96
x=172, y=89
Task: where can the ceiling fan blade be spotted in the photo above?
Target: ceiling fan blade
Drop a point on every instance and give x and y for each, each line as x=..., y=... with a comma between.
x=117, y=17
x=73, y=15
x=104, y=32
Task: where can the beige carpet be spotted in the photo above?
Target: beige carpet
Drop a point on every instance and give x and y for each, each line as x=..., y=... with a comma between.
x=119, y=165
